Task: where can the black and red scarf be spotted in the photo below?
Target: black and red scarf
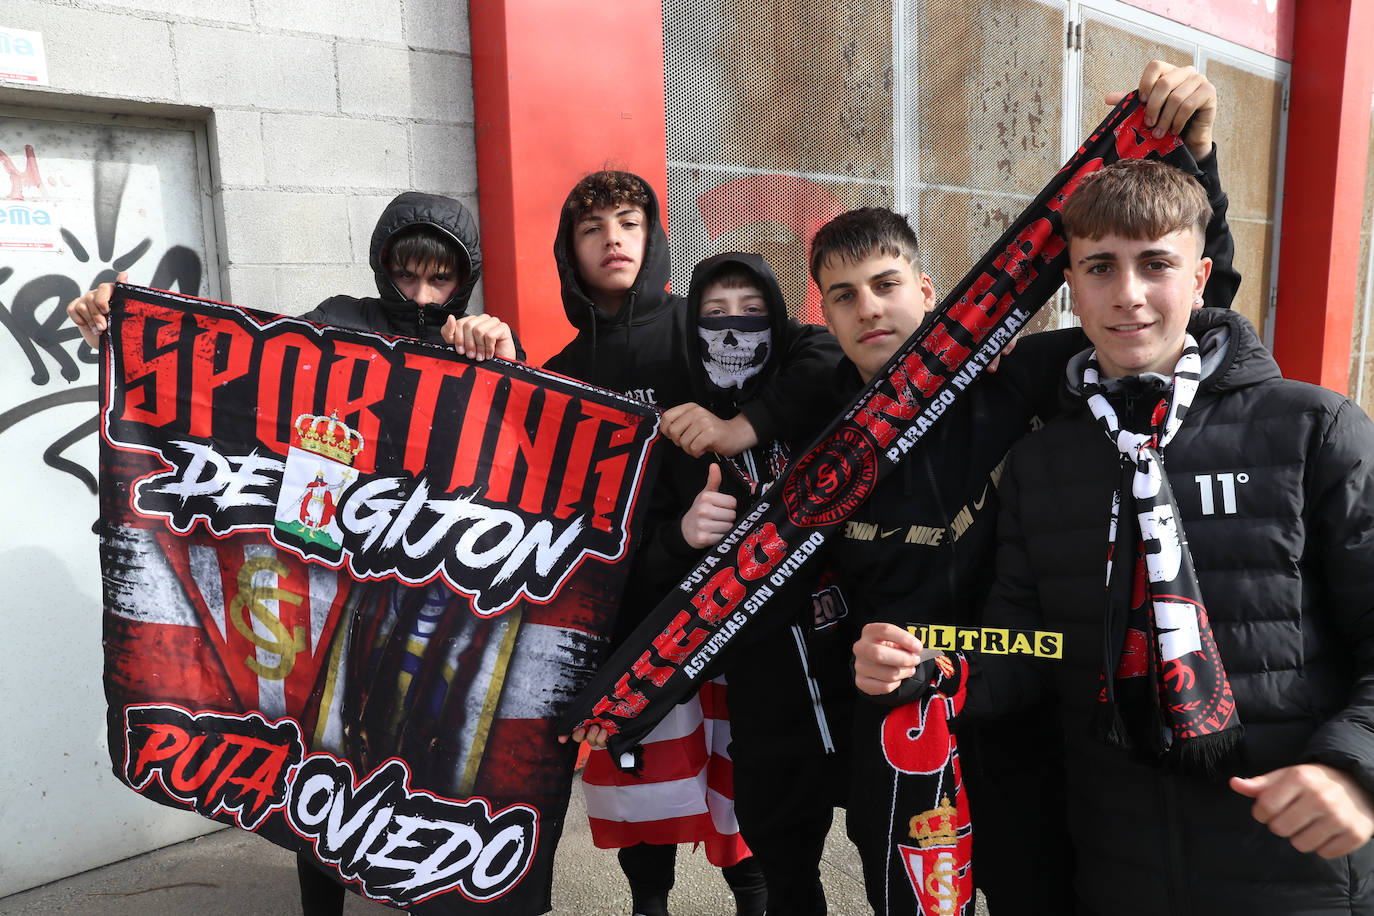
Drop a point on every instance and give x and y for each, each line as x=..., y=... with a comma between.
x=695, y=629
x=1164, y=687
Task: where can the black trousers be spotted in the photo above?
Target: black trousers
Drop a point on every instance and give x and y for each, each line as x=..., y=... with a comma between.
x=784, y=807
x=321, y=893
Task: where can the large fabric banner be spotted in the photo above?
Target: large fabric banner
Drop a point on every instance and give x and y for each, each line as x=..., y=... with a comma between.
x=687, y=638
x=350, y=582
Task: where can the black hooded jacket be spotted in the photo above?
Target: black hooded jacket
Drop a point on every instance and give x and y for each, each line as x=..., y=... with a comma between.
x=683, y=476
x=393, y=313
x=1275, y=493
x=774, y=692
x=647, y=349
x=664, y=555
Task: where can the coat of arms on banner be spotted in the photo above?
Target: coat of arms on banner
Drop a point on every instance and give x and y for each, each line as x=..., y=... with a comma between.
x=319, y=468
x=339, y=623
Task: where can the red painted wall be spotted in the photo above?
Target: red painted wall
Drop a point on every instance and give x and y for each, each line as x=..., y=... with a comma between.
x=1323, y=189
x=560, y=89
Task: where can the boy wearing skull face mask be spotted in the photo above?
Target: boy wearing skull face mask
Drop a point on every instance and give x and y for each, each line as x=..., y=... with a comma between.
x=782, y=725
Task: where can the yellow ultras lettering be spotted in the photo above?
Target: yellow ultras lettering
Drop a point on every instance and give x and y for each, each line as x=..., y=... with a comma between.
x=1049, y=644
x=995, y=641
x=942, y=638
x=992, y=640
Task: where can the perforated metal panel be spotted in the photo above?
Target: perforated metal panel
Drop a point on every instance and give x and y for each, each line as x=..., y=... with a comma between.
x=983, y=112
x=781, y=115
x=779, y=118
x=784, y=113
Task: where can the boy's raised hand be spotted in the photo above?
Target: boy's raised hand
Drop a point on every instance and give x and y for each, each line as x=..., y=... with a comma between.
x=479, y=336
x=696, y=431
x=1177, y=98
x=88, y=311
x=1319, y=808
x=711, y=516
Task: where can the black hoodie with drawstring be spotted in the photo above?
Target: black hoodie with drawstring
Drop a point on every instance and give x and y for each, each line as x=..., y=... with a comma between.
x=787, y=768
x=391, y=312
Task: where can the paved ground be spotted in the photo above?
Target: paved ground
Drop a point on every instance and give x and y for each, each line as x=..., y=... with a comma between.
x=234, y=873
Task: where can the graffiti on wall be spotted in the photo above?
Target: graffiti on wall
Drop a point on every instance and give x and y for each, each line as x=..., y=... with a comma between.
x=84, y=203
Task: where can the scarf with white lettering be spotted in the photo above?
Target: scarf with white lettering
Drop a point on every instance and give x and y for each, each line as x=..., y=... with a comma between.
x=1164, y=688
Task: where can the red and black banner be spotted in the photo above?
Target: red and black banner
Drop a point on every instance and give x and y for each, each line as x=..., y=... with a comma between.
x=350, y=583
x=691, y=632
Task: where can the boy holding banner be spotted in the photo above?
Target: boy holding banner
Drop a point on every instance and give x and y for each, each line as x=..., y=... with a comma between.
x=426, y=263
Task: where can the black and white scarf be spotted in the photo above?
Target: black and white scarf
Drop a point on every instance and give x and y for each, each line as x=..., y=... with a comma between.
x=1164, y=687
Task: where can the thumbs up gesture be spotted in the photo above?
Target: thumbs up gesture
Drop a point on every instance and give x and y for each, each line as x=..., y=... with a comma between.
x=712, y=514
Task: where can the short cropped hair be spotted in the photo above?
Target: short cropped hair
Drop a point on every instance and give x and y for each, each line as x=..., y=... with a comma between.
x=862, y=233
x=1136, y=199
x=607, y=188
x=421, y=245
x=736, y=276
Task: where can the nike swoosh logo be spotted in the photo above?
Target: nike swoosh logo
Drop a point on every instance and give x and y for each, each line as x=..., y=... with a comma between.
x=978, y=504
x=893, y=531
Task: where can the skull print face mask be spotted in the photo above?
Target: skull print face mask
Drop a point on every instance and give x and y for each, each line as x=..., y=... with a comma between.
x=734, y=348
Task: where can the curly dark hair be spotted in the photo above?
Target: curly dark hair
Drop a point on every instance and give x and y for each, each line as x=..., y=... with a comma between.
x=607, y=188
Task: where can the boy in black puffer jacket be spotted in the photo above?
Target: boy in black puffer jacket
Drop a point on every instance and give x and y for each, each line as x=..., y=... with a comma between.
x=1217, y=695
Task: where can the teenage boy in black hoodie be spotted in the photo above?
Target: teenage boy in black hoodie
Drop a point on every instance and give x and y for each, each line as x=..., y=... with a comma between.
x=634, y=337
x=788, y=697
x=784, y=757
x=426, y=262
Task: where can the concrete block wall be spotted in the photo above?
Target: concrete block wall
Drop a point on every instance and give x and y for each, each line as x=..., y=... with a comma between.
x=318, y=112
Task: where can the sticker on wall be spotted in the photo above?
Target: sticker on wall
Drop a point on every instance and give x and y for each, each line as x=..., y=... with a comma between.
x=30, y=226
x=22, y=58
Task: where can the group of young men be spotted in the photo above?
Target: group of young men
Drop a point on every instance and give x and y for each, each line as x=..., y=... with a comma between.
x=1206, y=742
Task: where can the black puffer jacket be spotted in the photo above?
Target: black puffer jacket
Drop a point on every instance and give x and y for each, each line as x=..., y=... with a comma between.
x=393, y=313
x=645, y=349
x=1274, y=480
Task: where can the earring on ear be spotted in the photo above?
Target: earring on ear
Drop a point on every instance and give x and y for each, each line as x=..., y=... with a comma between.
x=1197, y=300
